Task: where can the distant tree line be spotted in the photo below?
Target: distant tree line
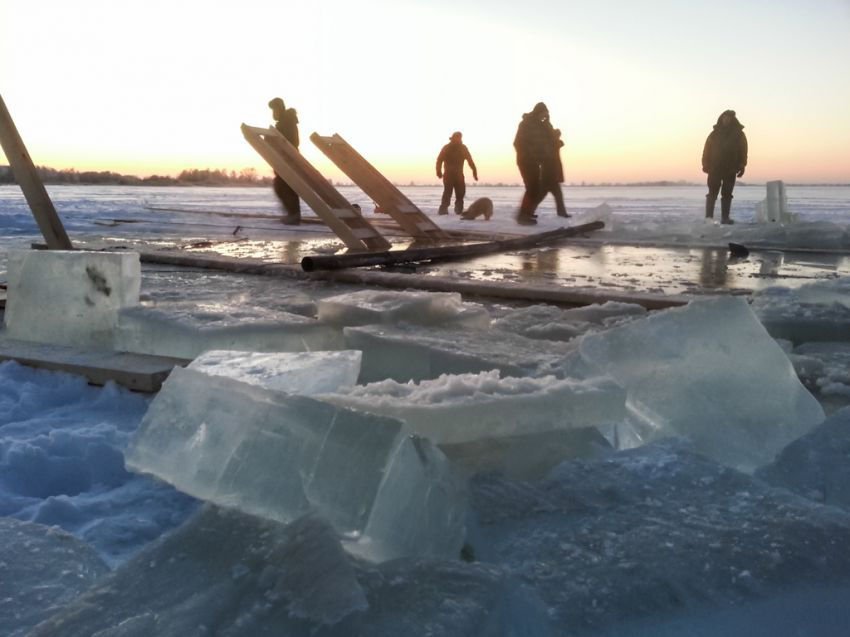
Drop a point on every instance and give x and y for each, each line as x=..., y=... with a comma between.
x=192, y=177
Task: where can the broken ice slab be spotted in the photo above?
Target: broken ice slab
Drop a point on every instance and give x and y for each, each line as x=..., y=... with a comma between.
x=557, y=324
x=69, y=297
x=709, y=372
x=416, y=353
x=225, y=571
x=467, y=407
x=303, y=373
x=388, y=307
x=186, y=330
x=279, y=456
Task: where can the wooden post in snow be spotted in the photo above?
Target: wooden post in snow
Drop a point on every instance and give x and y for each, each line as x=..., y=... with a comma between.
x=25, y=174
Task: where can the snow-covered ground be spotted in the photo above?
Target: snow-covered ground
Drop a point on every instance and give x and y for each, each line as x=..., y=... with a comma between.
x=695, y=491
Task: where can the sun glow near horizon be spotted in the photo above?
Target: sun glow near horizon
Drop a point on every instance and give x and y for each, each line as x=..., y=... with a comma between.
x=161, y=87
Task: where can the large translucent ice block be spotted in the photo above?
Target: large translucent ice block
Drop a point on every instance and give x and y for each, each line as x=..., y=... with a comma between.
x=69, y=297
x=709, y=372
x=186, y=330
x=405, y=353
x=818, y=311
x=279, y=456
x=557, y=324
x=383, y=307
x=467, y=407
x=302, y=373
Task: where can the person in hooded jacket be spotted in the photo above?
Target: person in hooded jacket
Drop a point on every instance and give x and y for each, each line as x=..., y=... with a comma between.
x=535, y=149
x=286, y=122
x=724, y=158
x=450, y=170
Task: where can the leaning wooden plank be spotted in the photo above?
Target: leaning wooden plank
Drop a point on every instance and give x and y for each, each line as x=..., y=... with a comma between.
x=390, y=199
x=25, y=174
x=139, y=372
x=313, y=188
x=443, y=253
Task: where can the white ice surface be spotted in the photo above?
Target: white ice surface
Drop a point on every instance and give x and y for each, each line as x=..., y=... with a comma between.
x=709, y=372
x=69, y=297
x=303, y=373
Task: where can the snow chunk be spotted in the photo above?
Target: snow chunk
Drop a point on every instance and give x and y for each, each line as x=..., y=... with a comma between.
x=711, y=373
x=466, y=407
x=382, y=307
x=556, y=324
x=69, y=297
x=817, y=311
x=185, y=330
x=303, y=373
x=279, y=456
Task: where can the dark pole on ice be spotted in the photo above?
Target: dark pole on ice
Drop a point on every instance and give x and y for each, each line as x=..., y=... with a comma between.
x=25, y=174
x=443, y=253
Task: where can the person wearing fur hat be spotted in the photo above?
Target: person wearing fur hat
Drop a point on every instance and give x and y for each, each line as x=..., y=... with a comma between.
x=286, y=122
x=450, y=170
x=724, y=158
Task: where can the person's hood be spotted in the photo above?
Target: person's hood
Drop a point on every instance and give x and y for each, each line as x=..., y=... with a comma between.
x=735, y=125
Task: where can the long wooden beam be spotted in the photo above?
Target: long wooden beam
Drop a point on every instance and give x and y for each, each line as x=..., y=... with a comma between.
x=443, y=253
x=25, y=174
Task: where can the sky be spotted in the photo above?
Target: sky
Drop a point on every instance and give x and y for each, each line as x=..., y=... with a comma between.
x=158, y=86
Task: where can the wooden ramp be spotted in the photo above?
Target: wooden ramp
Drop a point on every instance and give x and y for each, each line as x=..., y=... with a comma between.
x=140, y=372
x=389, y=198
x=325, y=200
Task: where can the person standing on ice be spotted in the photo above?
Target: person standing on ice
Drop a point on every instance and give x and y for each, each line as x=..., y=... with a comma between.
x=553, y=174
x=535, y=154
x=724, y=158
x=286, y=122
x=450, y=170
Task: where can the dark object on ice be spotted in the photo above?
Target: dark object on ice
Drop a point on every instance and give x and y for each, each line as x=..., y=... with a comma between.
x=538, y=146
x=724, y=157
x=450, y=170
x=482, y=207
x=443, y=253
x=737, y=250
x=286, y=122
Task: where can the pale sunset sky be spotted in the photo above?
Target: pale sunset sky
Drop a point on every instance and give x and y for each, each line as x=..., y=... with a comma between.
x=155, y=86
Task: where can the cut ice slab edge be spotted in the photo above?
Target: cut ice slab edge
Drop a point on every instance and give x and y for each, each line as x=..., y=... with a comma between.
x=303, y=373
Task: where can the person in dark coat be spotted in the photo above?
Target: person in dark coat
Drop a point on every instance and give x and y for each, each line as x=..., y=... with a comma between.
x=450, y=170
x=534, y=146
x=553, y=174
x=724, y=158
x=286, y=122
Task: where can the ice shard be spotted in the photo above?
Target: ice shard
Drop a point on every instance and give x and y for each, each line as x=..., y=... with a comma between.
x=280, y=456
x=709, y=372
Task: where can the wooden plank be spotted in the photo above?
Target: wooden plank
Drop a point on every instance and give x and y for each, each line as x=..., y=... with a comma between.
x=389, y=198
x=443, y=253
x=25, y=174
x=312, y=187
x=140, y=372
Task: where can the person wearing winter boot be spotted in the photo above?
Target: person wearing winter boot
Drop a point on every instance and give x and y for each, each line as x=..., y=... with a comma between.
x=450, y=170
x=724, y=158
x=286, y=122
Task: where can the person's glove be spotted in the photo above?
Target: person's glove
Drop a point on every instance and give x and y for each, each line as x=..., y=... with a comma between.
x=741, y=173
x=705, y=169
x=475, y=176
x=439, y=174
